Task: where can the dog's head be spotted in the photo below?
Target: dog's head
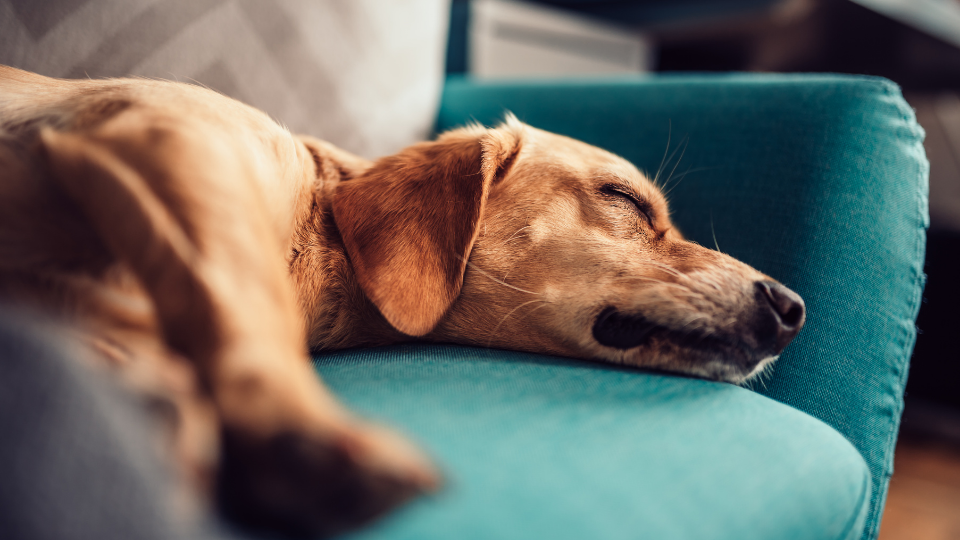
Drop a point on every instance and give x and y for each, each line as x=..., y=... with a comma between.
x=518, y=238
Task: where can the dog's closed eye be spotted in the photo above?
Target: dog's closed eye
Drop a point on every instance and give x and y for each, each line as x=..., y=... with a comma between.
x=643, y=208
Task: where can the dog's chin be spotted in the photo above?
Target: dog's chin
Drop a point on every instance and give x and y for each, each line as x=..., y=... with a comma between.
x=714, y=356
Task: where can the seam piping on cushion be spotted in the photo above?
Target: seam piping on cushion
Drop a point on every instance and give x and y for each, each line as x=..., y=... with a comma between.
x=874, y=518
x=863, y=505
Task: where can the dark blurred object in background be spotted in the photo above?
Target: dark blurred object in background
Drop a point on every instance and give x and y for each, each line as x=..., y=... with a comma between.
x=825, y=35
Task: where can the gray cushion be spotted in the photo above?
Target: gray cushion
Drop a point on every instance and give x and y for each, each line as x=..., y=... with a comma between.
x=362, y=74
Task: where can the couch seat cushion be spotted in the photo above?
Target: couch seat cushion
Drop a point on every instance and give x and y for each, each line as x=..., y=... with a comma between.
x=539, y=447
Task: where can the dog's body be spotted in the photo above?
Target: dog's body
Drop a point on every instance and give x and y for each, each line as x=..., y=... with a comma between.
x=159, y=221
x=202, y=249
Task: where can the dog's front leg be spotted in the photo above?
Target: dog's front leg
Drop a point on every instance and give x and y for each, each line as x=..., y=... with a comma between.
x=183, y=211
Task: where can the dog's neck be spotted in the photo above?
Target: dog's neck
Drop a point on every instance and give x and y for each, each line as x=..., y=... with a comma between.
x=336, y=312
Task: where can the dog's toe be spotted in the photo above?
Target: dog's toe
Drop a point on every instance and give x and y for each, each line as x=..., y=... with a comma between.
x=315, y=485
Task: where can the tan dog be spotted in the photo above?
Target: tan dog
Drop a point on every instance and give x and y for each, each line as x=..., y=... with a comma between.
x=202, y=250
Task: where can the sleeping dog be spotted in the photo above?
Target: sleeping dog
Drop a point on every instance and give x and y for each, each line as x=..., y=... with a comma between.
x=200, y=250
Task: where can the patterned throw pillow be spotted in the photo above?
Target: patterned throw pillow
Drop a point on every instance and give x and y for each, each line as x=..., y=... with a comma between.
x=362, y=74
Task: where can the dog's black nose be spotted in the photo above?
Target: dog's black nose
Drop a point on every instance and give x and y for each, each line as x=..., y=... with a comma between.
x=788, y=309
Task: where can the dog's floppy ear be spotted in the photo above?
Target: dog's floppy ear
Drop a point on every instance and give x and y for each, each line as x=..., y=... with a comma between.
x=409, y=222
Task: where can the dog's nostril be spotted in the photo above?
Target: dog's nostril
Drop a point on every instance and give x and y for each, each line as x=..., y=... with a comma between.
x=793, y=317
x=787, y=304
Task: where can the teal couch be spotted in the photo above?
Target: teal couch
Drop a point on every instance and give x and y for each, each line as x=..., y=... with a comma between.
x=817, y=180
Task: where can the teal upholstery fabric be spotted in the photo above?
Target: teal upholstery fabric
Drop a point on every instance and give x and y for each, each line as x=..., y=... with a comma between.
x=537, y=447
x=818, y=180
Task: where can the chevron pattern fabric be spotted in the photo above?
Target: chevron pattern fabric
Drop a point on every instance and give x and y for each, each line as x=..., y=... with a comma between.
x=363, y=74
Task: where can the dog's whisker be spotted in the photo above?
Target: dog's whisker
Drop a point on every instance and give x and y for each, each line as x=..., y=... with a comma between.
x=512, y=236
x=685, y=142
x=663, y=184
x=653, y=280
x=762, y=377
x=767, y=373
x=505, y=284
x=668, y=188
x=760, y=380
x=683, y=175
x=665, y=152
x=665, y=268
x=496, y=329
x=714, y=233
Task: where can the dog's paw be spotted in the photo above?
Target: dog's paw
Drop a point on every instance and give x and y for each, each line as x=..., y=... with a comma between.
x=316, y=485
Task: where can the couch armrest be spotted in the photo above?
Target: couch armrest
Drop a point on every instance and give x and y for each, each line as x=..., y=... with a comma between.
x=817, y=180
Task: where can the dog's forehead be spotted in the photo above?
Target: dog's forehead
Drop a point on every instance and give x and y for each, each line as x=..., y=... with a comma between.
x=584, y=162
